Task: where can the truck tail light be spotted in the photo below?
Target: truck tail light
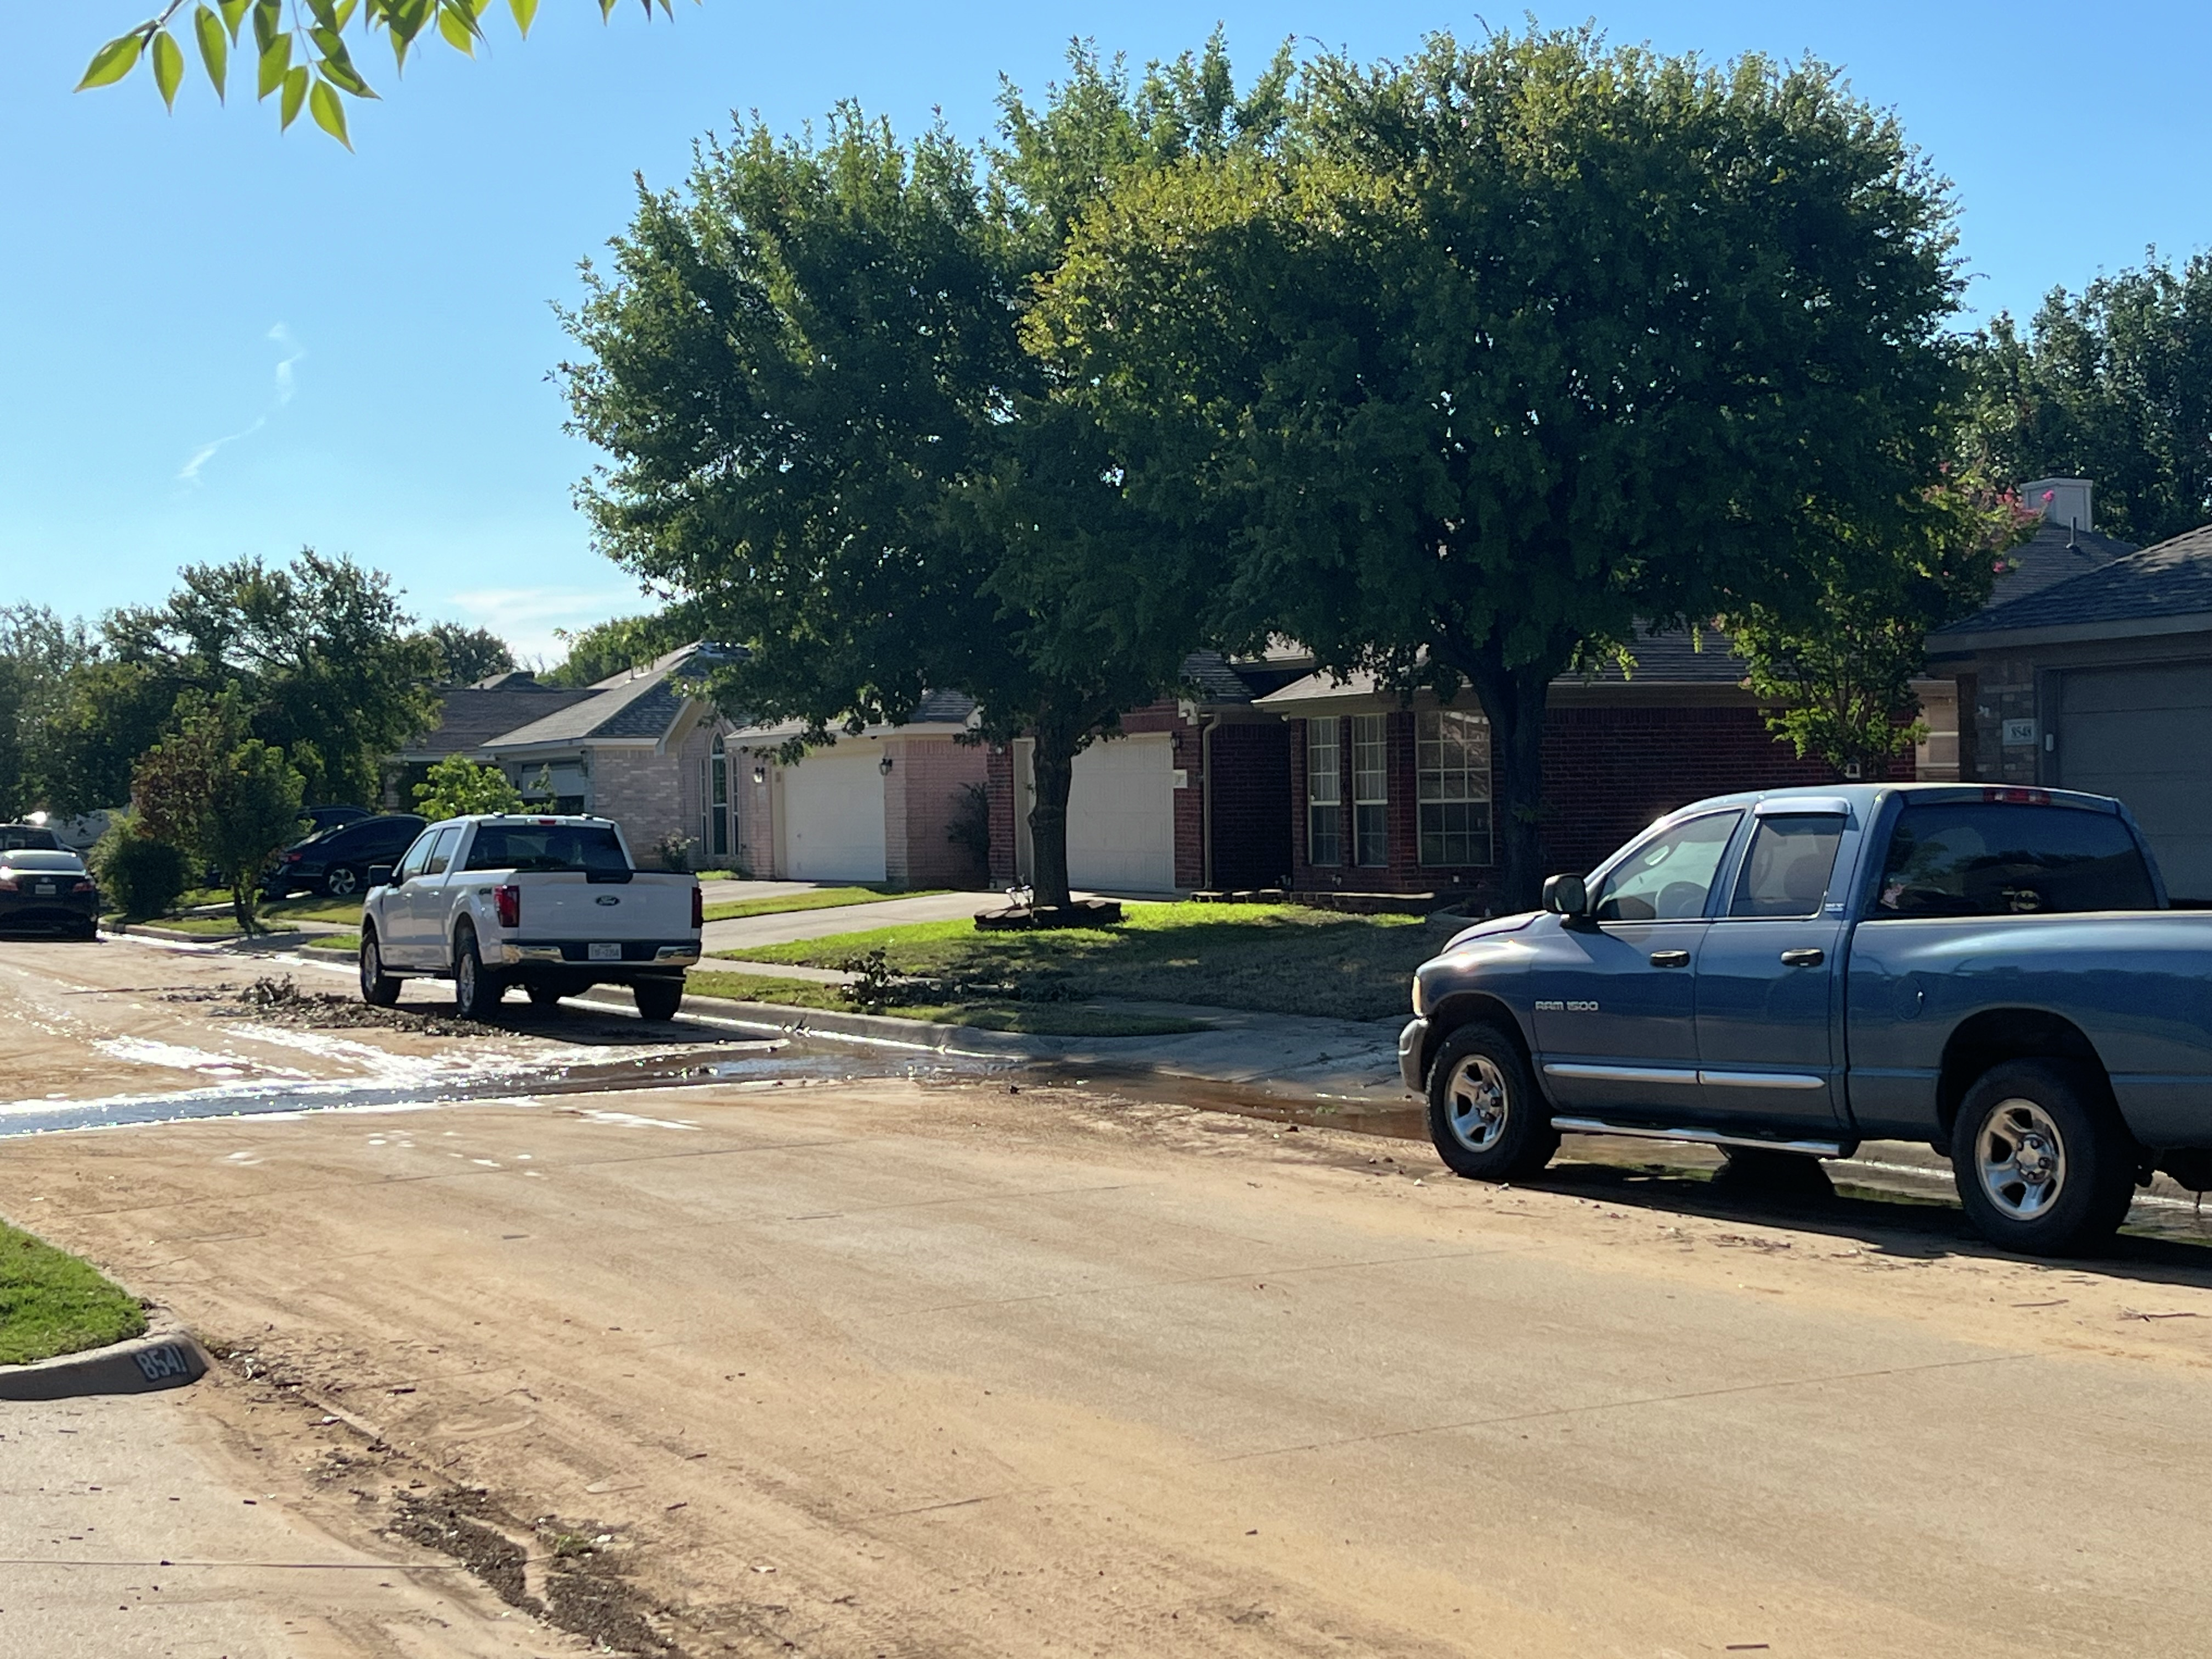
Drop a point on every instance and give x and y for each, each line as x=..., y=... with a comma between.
x=509, y=900
x=698, y=905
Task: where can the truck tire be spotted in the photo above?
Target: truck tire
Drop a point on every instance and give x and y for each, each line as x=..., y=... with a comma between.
x=378, y=988
x=477, y=989
x=1484, y=1115
x=2043, y=1162
x=658, y=998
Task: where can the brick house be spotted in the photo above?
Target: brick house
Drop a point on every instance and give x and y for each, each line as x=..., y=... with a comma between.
x=1389, y=796
x=2091, y=668
x=1189, y=796
x=878, y=806
x=634, y=748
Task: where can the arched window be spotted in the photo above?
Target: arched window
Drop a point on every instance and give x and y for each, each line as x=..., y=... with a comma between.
x=718, y=801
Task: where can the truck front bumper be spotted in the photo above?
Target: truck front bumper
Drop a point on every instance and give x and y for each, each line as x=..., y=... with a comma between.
x=1413, y=1045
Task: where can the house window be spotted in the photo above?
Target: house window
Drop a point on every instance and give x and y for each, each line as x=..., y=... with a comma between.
x=1370, y=792
x=1324, y=792
x=1453, y=758
x=718, y=801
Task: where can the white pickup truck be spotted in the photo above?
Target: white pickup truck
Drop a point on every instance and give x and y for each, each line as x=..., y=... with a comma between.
x=552, y=904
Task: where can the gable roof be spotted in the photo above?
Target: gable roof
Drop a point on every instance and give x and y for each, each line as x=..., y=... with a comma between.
x=470, y=717
x=2056, y=553
x=643, y=708
x=2133, y=592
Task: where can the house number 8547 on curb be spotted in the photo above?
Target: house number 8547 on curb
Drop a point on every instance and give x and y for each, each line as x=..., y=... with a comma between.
x=168, y=1361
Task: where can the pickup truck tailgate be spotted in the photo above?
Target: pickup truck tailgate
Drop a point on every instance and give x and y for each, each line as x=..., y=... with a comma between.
x=648, y=908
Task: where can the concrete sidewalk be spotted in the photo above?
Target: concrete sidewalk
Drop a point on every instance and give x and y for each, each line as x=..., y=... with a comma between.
x=751, y=933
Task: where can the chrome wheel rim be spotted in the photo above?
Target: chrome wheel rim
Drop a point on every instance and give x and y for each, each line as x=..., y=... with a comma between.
x=1476, y=1103
x=2020, y=1160
x=340, y=882
x=464, y=979
x=372, y=966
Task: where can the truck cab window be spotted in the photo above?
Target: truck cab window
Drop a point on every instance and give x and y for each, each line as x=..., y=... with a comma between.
x=1988, y=859
x=1786, y=872
x=417, y=856
x=1667, y=878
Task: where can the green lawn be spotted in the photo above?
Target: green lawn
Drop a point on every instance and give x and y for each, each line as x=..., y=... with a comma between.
x=51, y=1303
x=347, y=911
x=1038, y=1019
x=822, y=898
x=350, y=943
x=1278, y=959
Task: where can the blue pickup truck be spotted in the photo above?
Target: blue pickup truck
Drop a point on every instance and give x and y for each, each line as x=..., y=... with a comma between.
x=1993, y=971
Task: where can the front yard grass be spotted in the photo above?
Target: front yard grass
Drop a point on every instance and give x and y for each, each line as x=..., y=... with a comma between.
x=51, y=1303
x=1038, y=1019
x=822, y=898
x=1275, y=958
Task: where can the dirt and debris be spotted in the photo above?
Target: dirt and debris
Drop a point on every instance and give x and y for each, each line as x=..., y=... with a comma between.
x=277, y=1000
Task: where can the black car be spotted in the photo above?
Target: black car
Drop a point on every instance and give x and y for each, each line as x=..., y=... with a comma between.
x=45, y=888
x=320, y=818
x=336, y=861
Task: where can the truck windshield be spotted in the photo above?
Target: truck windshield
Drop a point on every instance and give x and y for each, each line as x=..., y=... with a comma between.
x=591, y=848
x=1981, y=859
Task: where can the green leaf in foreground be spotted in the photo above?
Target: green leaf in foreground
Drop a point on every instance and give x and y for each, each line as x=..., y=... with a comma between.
x=168, y=67
x=52, y=1303
x=525, y=13
x=215, y=48
x=295, y=94
x=112, y=61
x=275, y=59
x=330, y=114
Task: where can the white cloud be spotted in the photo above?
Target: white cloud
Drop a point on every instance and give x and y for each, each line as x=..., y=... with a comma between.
x=280, y=335
x=526, y=617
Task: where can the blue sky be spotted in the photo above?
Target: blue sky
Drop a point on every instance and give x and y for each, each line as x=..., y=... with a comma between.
x=221, y=341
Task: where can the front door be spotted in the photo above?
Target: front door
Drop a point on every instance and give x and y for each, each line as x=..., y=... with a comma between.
x=1616, y=1008
x=1766, y=979
x=421, y=906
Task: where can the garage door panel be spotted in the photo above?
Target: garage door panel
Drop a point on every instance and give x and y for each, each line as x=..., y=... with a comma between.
x=1121, y=816
x=833, y=819
x=2144, y=735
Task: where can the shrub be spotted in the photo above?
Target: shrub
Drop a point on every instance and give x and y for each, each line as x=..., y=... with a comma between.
x=141, y=877
x=457, y=787
x=674, y=850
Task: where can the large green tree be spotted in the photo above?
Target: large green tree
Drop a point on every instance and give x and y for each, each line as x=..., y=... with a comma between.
x=319, y=650
x=224, y=797
x=828, y=439
x=1517, y=344
x=38, y=652
x=466, y=655
x=2113, y=385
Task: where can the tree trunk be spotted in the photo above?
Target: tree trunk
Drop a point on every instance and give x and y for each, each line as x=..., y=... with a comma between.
x=241, y=906
x=1053, y=771
x=1515, y=700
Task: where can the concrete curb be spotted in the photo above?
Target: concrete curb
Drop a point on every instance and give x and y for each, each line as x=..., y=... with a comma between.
x=286, y=940
x=166, y=1356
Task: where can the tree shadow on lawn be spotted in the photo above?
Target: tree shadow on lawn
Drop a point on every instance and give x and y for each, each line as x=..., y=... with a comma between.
x=1272, y=958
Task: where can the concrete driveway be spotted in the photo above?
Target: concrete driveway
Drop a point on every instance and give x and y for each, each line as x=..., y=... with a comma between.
x=787, y=926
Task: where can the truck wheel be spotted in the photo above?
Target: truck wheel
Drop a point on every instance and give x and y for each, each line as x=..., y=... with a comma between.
x=1484, y=1115
x=2043, y=1162
x=658, y=998
x=476, y=990
x=378, y=988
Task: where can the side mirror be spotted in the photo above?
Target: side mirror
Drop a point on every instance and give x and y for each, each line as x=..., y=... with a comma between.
x=1566, y=896
x=379, y=875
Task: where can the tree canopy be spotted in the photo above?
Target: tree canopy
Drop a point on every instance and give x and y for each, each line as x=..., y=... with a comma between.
x=2114, y=385
x=1518, y=345
x=466, y=655
x=298, y=48
x=828, y=441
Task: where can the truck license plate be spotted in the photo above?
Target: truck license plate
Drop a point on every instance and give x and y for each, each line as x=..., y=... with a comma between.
x=597, y=952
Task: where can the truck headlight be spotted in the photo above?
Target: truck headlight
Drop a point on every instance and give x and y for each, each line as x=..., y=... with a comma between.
x=1420, y=1000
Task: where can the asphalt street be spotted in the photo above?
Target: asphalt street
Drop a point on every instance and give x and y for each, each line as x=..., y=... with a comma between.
x=956, y=1365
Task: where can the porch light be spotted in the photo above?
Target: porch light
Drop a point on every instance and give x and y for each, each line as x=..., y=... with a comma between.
x=760, y=775
x=884, y=766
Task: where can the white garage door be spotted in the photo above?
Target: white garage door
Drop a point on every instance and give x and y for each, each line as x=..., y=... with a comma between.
x=1121, y=816
x=832, y=818
x=2145, y=735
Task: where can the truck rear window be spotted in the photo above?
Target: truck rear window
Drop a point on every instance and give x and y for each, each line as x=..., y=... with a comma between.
x=591, y=848
x=1978, y=860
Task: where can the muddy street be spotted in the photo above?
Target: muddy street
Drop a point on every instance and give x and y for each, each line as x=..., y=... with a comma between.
x=795, y=1359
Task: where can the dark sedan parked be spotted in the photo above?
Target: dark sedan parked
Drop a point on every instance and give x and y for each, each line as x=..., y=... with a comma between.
x=336, y=861
x=48, y=890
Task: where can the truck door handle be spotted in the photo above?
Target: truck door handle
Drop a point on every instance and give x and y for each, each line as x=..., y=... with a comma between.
x=1803, y=958
x=1670, y=958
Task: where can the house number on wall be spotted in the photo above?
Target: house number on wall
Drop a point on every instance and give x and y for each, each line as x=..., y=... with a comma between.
x=2019, y=734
